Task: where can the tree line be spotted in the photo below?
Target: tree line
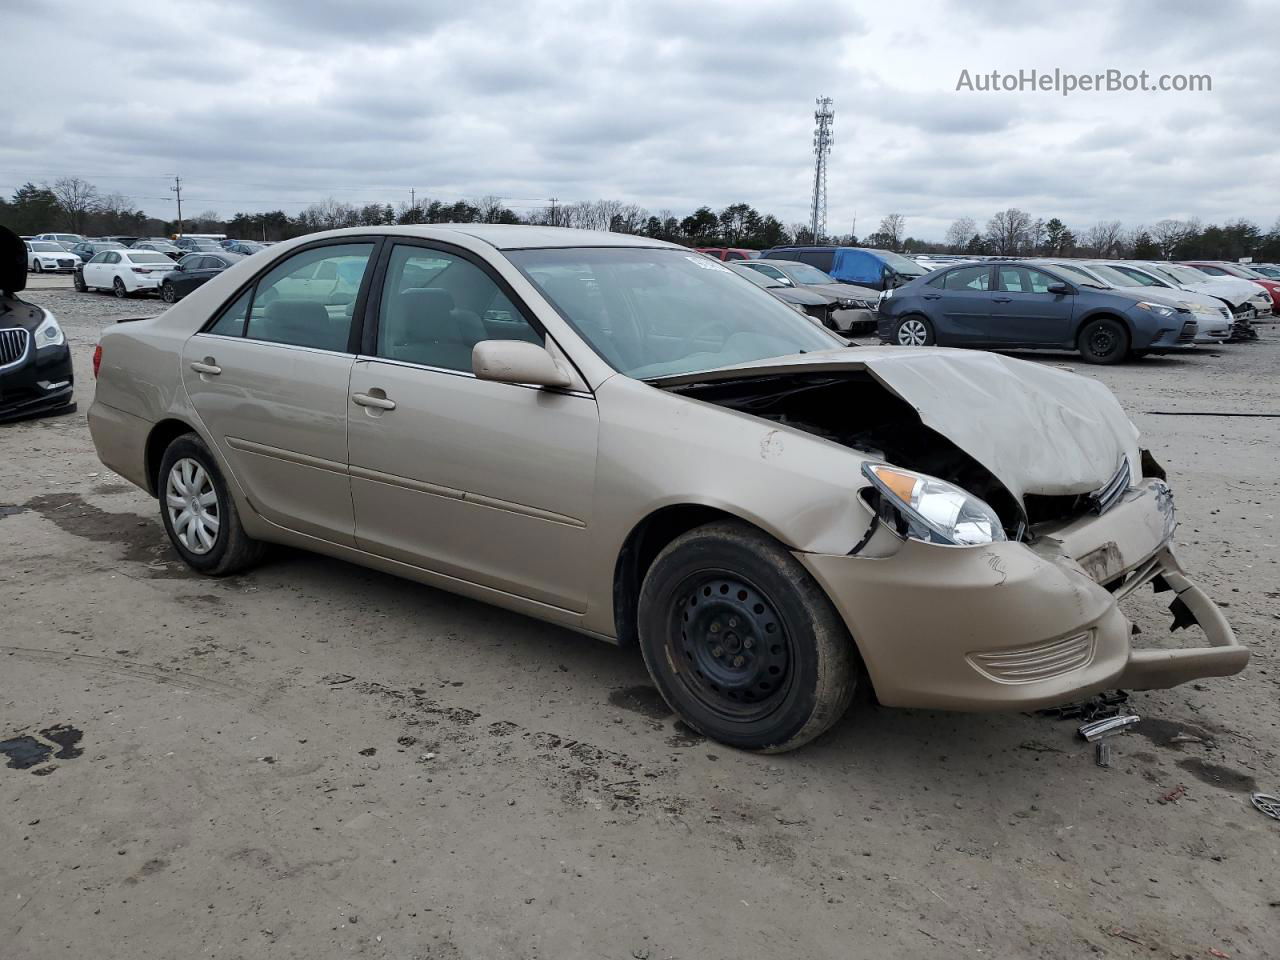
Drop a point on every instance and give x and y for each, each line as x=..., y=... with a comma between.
x=77, y=206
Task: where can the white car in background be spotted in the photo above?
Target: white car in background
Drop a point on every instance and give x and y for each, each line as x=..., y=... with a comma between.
x=1214, y=317
x=64, y=238
x=1246, y=299
x=46, y=256
x=124, y=272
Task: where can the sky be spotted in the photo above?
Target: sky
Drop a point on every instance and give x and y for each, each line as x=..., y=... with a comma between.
x=669, y=104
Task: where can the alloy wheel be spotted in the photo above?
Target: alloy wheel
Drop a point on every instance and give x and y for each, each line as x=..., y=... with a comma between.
x=913, y=333
x=192, y=504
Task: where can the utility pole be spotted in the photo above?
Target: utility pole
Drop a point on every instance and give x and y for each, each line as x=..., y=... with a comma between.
x=554, y=222
x=823, y=117
x=177, y=189
x=413, y=201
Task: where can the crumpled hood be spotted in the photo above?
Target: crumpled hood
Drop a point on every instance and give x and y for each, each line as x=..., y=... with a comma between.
x=1037, y=429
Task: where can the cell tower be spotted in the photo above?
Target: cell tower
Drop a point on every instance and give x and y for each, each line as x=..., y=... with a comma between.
x=823, y=117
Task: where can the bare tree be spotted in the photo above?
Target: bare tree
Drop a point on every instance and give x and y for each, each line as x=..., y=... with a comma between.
x=892, y=228
x=960, y=233
x=1103, y=239
x=1009, y=231
x=1168, y=234
x=77, y=199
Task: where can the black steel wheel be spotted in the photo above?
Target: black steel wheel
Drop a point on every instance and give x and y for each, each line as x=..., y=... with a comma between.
x=741, y=642
x=1103, y=341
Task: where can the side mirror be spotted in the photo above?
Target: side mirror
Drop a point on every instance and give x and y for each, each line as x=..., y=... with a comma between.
x=517, y=361
x=1063, y=289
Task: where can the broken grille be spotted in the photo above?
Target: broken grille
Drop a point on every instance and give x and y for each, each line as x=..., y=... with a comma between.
x=1104, y=498
x=13, y=346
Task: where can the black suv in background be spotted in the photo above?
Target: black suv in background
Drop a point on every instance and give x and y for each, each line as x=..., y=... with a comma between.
x=1007, y=304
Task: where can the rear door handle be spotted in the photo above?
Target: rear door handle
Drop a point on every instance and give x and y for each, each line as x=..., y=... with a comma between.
x=366, y=400
x=1002, y=299
x=206, y=366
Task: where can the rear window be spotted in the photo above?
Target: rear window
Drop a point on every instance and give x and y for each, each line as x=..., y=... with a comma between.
x=144, y=256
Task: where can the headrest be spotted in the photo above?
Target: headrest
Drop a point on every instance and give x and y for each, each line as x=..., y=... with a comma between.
x=429, y=300
x=306, y=314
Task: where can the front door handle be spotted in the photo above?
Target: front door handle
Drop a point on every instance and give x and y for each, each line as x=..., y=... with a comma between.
x=1002, y=299
x=373, y=400
x=206, y=366
x=932, y=296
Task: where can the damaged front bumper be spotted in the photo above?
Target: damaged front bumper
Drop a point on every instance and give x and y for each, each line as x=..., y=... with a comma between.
x=1019, y=626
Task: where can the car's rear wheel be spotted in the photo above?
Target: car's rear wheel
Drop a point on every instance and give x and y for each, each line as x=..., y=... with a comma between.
x=198, y=512
x=914, y=331
x=1103, y=341
x=741, y=642
x=118, y=288
x=77, y=280
x=168, y=292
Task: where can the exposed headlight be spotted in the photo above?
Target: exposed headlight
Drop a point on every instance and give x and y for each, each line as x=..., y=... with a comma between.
x=935, y=511
x=855, y=304
x=49, y=334
x=1159, y=309
x=885, y=294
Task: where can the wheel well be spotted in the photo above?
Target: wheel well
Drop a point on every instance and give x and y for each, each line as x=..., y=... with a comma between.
x=646, y=540
x=1105, y=316
x=162, y=434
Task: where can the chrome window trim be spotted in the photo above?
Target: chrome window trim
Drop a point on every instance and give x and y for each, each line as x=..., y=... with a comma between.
x=273, y=343
x=465, y=374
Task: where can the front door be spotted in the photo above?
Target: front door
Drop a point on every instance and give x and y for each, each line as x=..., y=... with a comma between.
x=963, y=298
x=490, y=483
x=1026, y=313
x=269, y=380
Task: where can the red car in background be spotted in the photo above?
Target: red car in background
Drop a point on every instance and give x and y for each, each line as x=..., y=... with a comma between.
x=729, y=253
x=1226, y=268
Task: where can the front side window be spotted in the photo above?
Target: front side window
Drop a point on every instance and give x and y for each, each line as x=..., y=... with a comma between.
x=308, y=299
x=1039, y=282
x=968, y=278
x=656, y=312
x=1213, y=271
x=437, y=306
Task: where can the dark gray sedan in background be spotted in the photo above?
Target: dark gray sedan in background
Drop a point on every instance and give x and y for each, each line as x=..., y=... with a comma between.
x=1013, y=305
x=851, y=307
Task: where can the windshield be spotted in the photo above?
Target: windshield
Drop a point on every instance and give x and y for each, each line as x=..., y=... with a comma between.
x=1240, y=270
x=900, y=264
x=658, y=313
x=758, y=278
x=1181, y=274
x=44, y=246
x=1113, y=276
x=107, y=245
x=1082, y=276
x=803, y=273
x=251, y=247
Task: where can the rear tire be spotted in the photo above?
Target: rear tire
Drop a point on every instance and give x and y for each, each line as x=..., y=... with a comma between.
x=198, y=512
x=914, y=331
x=1104, y=341
x=741, y=642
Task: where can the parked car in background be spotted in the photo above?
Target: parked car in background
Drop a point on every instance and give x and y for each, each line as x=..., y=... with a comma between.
x=127, y=241
x=160, y=246
x=1247, y=300
x=192, y=271
x=771, y=517
x=729, y=253
x=863, y=266
x=246, y=248
x=851, y=308
x=71, y=238
x=124, y=272
x=1214, y=320
x=813, y=305
x=193, y=244
x=1007, y=305
x=35, y=360
x=1225, y=268
x=45, y=256
x=89, y=249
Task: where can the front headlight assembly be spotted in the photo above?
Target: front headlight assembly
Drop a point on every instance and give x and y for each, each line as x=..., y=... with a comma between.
x=49, y=334
x=933, y=510
x=1159, y=309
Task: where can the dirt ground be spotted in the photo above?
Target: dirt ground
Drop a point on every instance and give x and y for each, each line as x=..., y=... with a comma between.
x=314, y=760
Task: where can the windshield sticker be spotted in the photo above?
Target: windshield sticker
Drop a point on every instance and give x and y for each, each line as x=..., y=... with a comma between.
x=707, y=264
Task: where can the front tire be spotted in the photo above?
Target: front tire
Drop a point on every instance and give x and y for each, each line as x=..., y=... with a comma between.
x=77, y=280
x=1104, y=341
x=168, y=292
x=118, y=288
x=198, y=512
x=914, y=331
x=741, y=642
x=39, y=268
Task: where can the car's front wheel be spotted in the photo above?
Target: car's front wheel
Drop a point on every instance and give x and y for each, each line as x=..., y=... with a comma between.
x=741, y=642
x=914, y=331
x=77, y=280
x=118, y=288
x=198, y=512
x=39, y=267
x=1103, y=341
x=168, y=292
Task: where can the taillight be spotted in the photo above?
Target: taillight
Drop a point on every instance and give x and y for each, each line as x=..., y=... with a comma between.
x=97, y=360
x=141, y=270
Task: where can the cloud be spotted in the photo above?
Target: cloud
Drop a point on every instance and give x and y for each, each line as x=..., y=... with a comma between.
x=666, y=103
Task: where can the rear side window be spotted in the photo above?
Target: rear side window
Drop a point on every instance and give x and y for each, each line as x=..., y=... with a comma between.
x=308, y=300
x=968, y=278
x=436, y=307
x=232, y=321
x=822, y=259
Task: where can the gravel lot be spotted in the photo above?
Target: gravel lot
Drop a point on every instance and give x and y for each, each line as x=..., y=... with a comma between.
x=314, y=760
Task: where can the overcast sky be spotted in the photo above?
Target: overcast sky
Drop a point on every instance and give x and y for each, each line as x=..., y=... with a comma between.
x=665, y=103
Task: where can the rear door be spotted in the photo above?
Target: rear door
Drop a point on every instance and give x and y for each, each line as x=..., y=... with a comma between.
x=269, y=380
x=1026, y=313
x=490, y=483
